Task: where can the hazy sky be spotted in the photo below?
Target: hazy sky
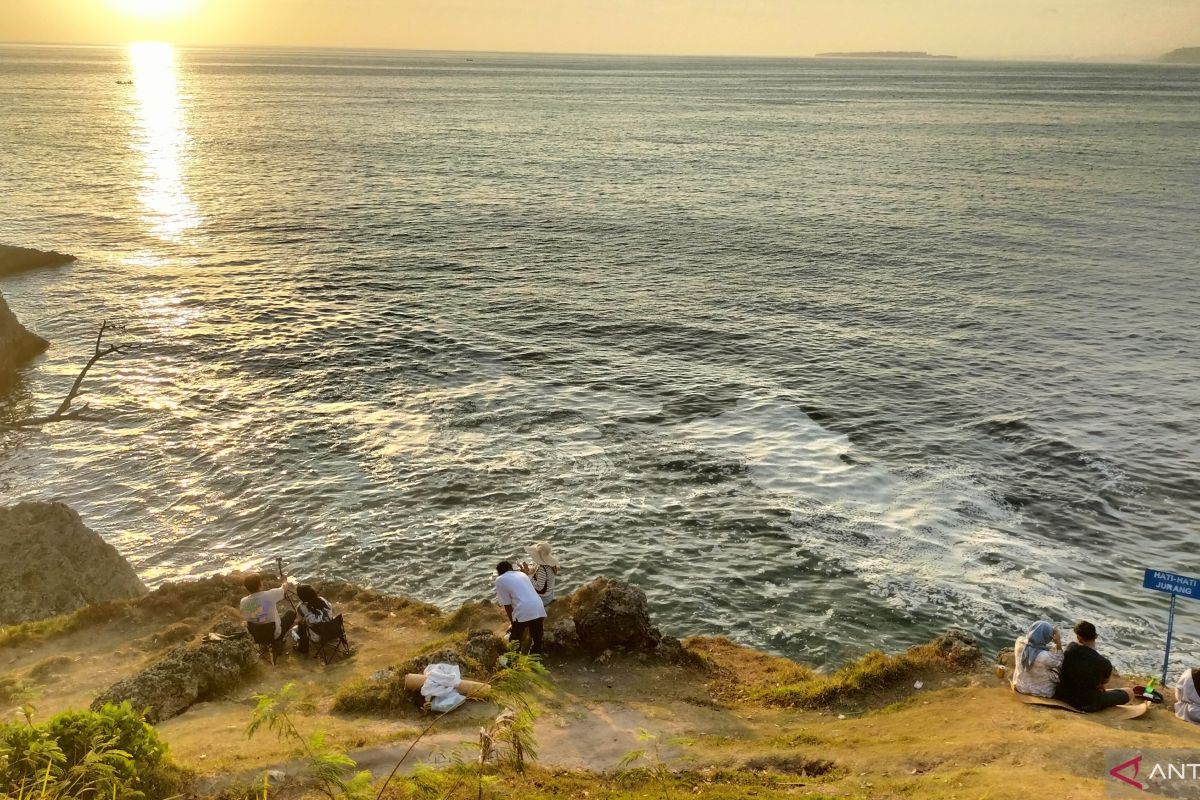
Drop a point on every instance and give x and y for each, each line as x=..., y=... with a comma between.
x=979, y=28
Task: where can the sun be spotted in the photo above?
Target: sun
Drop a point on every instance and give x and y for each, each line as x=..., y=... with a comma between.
x=153, y=9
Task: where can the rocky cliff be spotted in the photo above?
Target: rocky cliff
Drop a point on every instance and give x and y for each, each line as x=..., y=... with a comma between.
x=19, y=259
x=54, y=564
x=17, y=345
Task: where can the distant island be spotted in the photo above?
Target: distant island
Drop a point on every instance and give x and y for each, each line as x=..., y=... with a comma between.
x=1184, y=55
x=882, y=54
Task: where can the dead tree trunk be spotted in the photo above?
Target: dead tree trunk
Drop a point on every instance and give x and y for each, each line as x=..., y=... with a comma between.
x=64, y=412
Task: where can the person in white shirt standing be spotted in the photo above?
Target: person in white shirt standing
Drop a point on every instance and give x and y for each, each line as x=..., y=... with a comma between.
x=525, y=611
x=262, y=607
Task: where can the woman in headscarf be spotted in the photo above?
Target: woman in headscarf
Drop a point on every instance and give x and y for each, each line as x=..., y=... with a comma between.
x=1187, y=700
x=543, y=572
x=1038, y=656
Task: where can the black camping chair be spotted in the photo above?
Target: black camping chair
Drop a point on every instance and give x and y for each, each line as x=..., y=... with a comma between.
x=263, y=634
x=332, y=636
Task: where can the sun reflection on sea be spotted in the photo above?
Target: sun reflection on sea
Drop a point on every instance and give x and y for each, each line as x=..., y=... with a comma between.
x=162, y=139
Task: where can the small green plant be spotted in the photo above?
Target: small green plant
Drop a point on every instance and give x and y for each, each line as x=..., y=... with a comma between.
x=111, y=753
x=14, y=691
x=329, y=766
x=657, y=769
x=508, y=739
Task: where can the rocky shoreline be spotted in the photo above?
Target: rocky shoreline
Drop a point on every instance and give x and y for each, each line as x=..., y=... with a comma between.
x=725, y=721
x=17, y=343
x=20, y=259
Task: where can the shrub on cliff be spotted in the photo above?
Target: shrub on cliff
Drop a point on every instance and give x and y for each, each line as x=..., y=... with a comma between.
x=382, y=694
x=877, y=673
x=109, y=753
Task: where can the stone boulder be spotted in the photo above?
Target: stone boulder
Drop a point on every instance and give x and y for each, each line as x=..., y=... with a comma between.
x=54, y=564
x=188, y=674
x=612, y=614
x=17, y=344
x=485, y=648
x=559, y=635
x=476, y=655
x=444, y=655
x=957, y=649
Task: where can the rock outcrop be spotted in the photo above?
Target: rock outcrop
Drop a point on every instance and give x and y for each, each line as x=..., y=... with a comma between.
x=957, y=648
x=188, y=674
x=476, y=655
x=611, y=614
x=17, y=344
x=19, y=259
x=54, y=564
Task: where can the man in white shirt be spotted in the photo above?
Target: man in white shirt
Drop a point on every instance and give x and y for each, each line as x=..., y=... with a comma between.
x=262, y=607
x=525, y=611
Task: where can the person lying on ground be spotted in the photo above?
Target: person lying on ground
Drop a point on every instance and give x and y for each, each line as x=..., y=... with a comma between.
x=1085, y=673
x=1038, y=659
x=262, y=607
x=313, y=610
x=1187, y=700
x=543, y=573
x=521, y=603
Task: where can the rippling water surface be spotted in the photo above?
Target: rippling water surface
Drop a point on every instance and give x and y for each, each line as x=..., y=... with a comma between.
x=824, y=354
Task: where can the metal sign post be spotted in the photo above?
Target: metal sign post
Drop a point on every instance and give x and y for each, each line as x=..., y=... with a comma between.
x=1177, y=586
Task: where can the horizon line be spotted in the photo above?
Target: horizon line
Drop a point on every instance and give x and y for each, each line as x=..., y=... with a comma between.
x=1097, y=59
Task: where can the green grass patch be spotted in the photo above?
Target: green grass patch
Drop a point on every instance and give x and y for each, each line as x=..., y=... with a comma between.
x=42, y=629
x=874, y=673
x=538, y=783
x=382, y=697
x=13, y=691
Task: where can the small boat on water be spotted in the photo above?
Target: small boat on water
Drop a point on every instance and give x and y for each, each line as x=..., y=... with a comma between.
x=125, y=83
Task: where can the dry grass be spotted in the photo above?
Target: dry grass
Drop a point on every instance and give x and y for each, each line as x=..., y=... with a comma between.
x=768, y=734
x=385, y=697
x=876, y=679
x=49, y=668
x=742, y=673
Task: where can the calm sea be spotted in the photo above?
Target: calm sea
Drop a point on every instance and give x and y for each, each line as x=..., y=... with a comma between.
x=825, y=355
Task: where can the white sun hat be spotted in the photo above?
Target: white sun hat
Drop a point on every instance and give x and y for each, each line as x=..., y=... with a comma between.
x=541, y=555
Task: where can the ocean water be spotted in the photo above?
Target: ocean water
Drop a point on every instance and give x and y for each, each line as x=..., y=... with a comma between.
x=825, y=355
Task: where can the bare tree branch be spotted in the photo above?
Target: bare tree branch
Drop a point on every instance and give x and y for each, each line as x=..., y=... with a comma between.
x=64, y=412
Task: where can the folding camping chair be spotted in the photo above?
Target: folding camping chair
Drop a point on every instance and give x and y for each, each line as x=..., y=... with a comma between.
x=332, y=636
x=263, y=634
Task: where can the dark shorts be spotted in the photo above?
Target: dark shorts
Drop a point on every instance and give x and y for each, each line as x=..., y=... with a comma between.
x=1113, y=697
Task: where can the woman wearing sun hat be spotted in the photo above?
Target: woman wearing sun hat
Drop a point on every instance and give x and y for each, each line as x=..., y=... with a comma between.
x=543, y=572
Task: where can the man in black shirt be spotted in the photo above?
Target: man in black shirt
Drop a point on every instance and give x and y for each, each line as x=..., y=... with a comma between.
x=1084, y=673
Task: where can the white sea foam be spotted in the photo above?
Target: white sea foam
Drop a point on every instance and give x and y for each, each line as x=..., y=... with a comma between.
x=905, y=537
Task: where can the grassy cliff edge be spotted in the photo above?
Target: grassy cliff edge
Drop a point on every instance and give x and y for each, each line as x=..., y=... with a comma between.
x=723, y=721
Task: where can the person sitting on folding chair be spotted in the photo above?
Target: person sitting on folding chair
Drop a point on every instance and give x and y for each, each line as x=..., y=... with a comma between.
x=313, y=610
x=261, y=608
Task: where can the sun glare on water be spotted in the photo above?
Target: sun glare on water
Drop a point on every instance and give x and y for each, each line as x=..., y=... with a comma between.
x=153, y=9
x=161, y=137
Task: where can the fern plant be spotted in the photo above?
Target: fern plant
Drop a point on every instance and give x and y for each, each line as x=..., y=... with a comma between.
x=329, y=767
x=508, y=739
x=111, y=753
x=657, y=768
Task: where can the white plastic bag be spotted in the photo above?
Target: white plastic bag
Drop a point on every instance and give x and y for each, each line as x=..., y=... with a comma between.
x=447, y=702
x=441, y=679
